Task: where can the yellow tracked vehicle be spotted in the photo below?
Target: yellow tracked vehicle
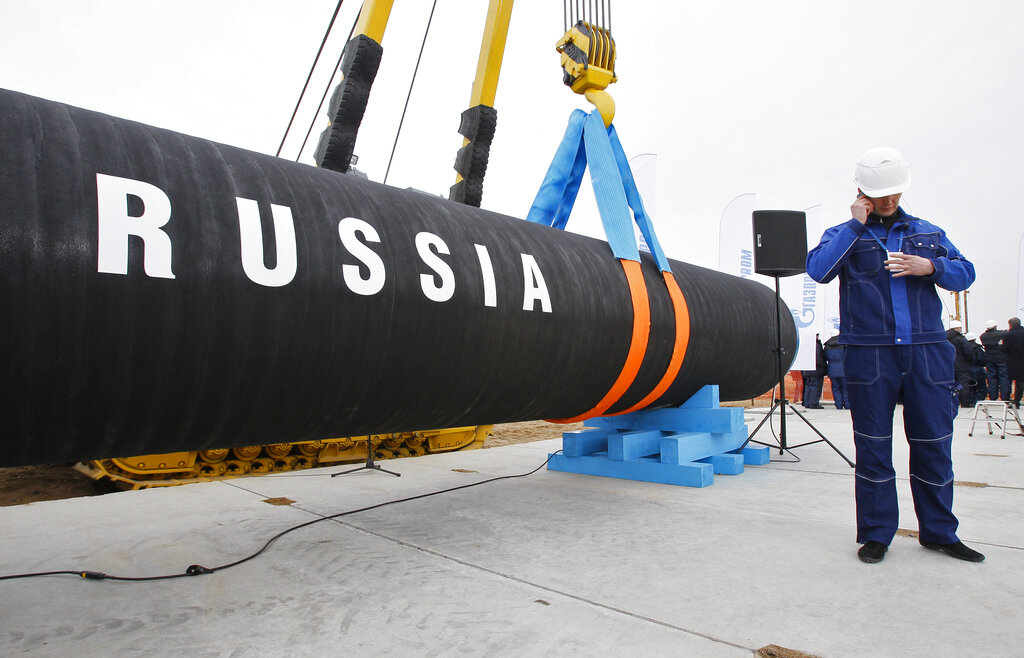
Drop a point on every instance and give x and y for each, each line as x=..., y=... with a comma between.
x=175, y=468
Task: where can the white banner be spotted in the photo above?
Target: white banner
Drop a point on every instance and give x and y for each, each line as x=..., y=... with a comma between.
x=806, y=300
x=645, y=171
x=736, y=239
x=829, y=317
x=816, y=225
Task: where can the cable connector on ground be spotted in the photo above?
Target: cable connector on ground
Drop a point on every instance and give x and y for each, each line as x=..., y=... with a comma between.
x=196, y=570
x=93, y=575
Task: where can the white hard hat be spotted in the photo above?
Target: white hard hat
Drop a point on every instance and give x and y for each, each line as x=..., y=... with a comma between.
x=882, y=171
x=955, y=324
x=970, y=335
x=990, y=324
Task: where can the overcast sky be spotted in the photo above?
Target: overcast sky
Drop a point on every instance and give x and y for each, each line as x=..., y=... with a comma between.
x=777, y=99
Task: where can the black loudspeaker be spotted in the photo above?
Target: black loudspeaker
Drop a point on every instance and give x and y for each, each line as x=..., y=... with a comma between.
x=780, y=242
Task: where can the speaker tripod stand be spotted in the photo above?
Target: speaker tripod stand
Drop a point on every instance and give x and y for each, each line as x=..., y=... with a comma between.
x=782, y=403
x=369, y=465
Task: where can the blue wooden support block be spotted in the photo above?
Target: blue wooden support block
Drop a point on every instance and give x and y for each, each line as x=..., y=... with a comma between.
x=585, y=442
x=756, y=455
x=705, y=398
x=675, y=419
x=686, y=447
x=644, y=470
x=633, y=445
x=725, y=464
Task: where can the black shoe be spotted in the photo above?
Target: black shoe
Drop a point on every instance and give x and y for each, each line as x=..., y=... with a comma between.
x=872, y=551
x=958, y=550
x=813, y=406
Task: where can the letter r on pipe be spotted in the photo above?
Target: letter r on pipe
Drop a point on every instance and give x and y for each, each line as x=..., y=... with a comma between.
x=115, y=225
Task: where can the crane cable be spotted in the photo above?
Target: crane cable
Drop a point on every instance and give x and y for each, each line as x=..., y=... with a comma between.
x=595, y=12
x=330, y=82
x=409, y=95
x=308, y=77
x=327, y=89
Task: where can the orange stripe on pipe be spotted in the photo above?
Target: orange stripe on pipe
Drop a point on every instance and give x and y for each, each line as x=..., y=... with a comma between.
x=682, y=315
x=637, y=344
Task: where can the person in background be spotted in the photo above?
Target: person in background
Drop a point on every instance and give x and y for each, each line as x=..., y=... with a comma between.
x=983, y=380
x=798, y=385
x=890, y=319
x=996, y=357
x=834, y=353
x=975, y=357
x=961, y=366
x=814, y=379
x=1014, y=342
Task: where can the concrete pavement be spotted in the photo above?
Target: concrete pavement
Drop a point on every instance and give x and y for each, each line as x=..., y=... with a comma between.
x=550, y=564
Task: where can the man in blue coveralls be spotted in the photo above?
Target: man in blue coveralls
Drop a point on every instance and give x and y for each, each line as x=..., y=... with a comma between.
x=890, y=318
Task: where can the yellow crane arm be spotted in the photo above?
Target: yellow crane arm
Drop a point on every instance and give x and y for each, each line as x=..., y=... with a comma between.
x=480, y=120
x=348, y=102
x=373, y=18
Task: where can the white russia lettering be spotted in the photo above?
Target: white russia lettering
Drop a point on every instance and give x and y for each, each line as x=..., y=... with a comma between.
x=444, y=288
x=251, y=232
x=116, y=225
x=374, y=282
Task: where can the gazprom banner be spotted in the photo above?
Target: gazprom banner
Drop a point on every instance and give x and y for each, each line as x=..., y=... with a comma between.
x=804, y=297
x=818, y=308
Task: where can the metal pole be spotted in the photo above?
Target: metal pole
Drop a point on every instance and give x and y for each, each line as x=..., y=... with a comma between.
x=782, y=377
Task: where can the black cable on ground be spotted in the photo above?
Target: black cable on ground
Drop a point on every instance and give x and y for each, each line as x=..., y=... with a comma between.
x=316, y=59
x=196, y=570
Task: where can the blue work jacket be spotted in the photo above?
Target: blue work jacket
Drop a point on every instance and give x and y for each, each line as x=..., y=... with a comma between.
x=876, y=308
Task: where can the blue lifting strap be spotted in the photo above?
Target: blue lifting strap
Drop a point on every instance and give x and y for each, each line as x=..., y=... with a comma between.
x=587, y=141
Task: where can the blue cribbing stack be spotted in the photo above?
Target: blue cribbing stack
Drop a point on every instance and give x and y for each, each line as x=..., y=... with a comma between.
x=684, y=445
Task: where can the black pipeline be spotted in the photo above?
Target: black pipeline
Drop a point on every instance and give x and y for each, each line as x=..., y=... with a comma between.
x=160, y=292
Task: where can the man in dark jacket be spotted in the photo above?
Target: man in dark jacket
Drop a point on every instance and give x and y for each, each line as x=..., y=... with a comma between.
x=834, y=355
x=975, y=356
x=814, y=379
x=996, y=358
x=1014, y=342
x=961, y=365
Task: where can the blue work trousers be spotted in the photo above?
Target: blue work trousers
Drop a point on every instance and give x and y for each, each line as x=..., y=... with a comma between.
x=839, y=394
x=812, y=390
x=922, y=376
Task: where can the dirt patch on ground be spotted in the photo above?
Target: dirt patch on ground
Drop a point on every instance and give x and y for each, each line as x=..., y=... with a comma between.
x=30, y=484
x=537, y=430
x=775, y=651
